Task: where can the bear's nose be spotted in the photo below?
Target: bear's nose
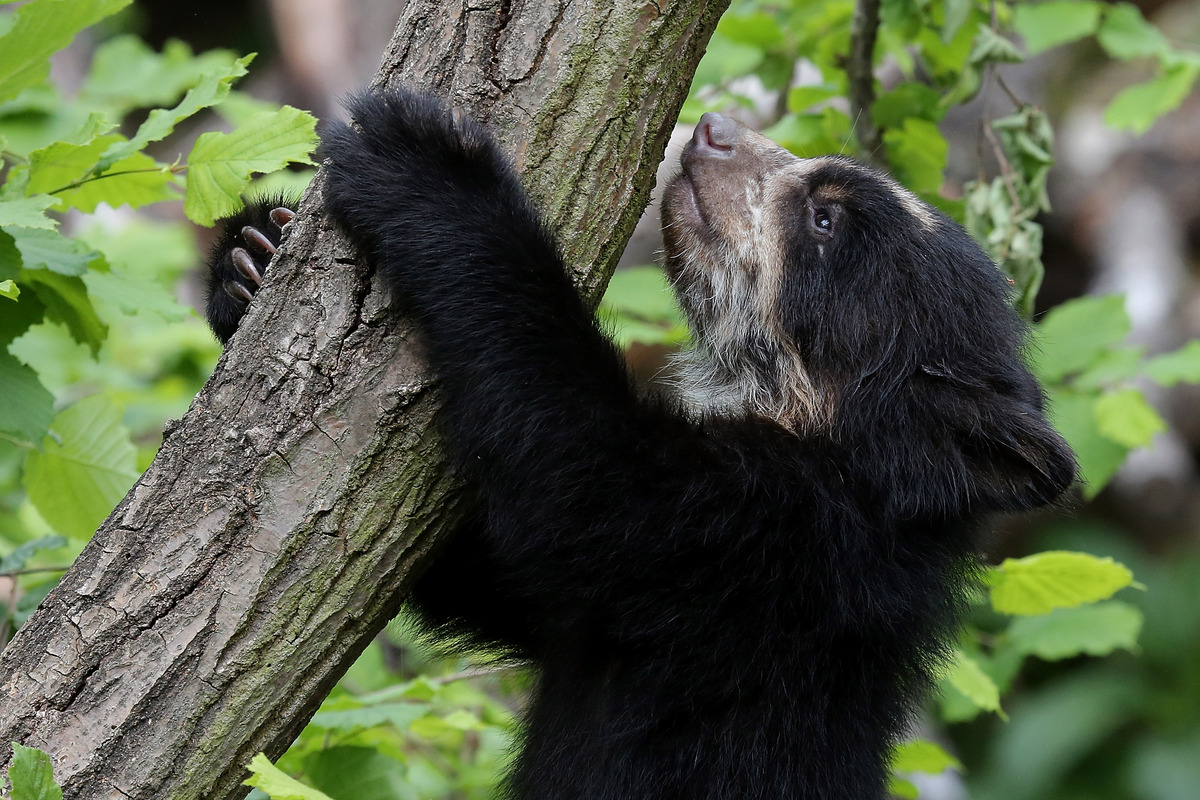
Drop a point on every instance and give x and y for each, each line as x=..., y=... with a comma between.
x=714, y=135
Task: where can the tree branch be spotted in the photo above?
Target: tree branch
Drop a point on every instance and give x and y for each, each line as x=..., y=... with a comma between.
x=860, y=75
x=276, y=532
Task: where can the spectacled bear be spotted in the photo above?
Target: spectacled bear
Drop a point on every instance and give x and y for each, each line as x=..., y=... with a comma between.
x=743, y=590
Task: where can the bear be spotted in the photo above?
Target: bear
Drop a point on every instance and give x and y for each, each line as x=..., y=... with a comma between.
x=742, y=587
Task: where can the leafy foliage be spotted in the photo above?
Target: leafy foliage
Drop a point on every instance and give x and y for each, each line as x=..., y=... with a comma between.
x=32, y=775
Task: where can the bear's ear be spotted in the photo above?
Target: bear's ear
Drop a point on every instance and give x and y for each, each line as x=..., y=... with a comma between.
x=1016, y=459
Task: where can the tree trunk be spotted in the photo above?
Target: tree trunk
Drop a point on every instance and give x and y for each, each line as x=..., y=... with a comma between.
x=276, y=532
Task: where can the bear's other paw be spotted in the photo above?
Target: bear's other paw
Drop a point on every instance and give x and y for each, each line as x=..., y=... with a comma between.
x=239, y=259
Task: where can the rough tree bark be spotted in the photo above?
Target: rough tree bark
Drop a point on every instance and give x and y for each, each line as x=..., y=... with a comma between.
x=275, y=533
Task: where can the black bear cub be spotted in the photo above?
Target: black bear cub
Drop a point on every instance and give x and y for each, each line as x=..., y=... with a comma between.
x=740, y=591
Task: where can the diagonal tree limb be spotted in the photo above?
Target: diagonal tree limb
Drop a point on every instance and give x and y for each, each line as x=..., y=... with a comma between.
x=275, y=533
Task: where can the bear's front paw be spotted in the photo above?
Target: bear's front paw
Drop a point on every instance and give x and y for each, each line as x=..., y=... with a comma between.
x=238, y=261
x=408, y=165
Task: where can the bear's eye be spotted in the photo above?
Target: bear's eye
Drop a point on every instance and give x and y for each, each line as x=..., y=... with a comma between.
x=822, y=220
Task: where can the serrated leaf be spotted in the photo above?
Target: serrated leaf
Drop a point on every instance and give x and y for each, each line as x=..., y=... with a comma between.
x=40, y=29
x=32, y=775
x=69, y=172
x=1046, y=25
x=1126, y=418
x=50, y=250
x=1182, y=366
x=1075, y=334
x=28, y=406
x=10, y=290
x=965, y=675
x=1125, y=34
x=28, y=212
x=277, y=785
x=19, y=557
x=1040, y=583
x=1138, y=107
x=132, y=294
x=922, y=755
x=220, y=164
x=84, y=469
x=212, y=89
x=1096, y=629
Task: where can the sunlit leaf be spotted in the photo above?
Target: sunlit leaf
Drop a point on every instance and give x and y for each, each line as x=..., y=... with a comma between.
x=1040, y=583
x=277, y=785
x=40, y=29
x=922, y=755
x=220, y=164
x=32, y=775
x=1126, y=418
x=28, y=212
x=965, y=675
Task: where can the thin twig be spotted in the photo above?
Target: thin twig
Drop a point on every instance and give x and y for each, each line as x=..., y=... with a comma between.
x=860, y=75
x=12, y=573
x=1006, y=170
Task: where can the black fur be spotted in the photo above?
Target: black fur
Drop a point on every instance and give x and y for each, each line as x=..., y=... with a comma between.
x=720, y=608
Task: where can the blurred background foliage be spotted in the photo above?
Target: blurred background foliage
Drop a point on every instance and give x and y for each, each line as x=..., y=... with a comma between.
x=1060, y=133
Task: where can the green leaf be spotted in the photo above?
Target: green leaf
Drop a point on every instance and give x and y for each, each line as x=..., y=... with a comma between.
x=40, y=29
x=1096, y=629
x=220, y=164
x=70, y=172
x=725, y=59
x=1111, y=368
x=1040, y=583
x=1125, y=34
x=127, y=74
x=1075, y=334
x=1182, y=366
x=918, y=151
x=990, y=47
x=28, y=212
x=10, y=290
x=161, y=122
x=50, y=250
x=956, y=14
x=1046, y=25
x=84, y=469
x=1099, y=456
x=66, y=300
x=965, y=675
x=1138, y=107
x=1126, y=418
x=760, y=30
x=268, y=778
x=32, y=774
x=19, y=557
x=905, y=790
x=401, y=715
x=362, y=773
x=922, y=755
x=28, y=406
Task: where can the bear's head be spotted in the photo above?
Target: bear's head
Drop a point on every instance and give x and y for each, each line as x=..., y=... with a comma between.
x=826, y=297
